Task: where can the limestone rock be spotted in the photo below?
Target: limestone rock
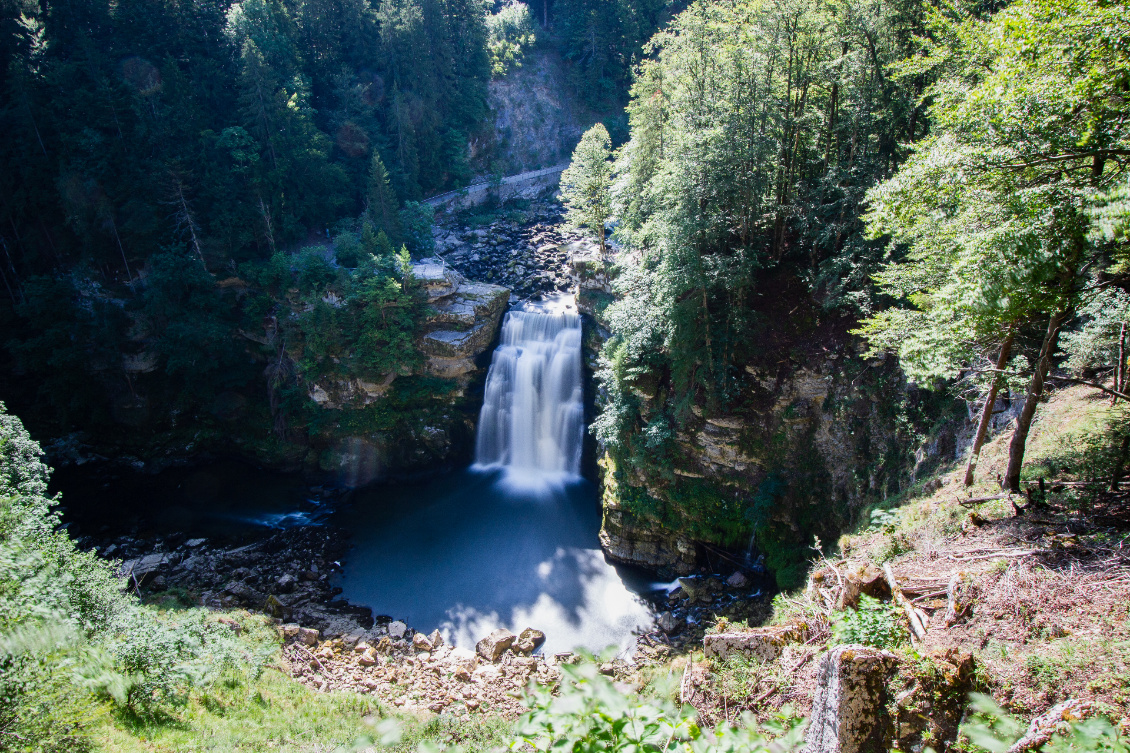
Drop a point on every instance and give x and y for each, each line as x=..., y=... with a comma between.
x=761, y=644
x=436, y=639
x=421, y=643
x=849, y=713
x=529, y=640
x=494, y=645
x=307, y=636
x=396, y=630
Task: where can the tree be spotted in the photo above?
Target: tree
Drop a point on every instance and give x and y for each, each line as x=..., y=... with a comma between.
x=586, y=186
x=381, y=200
x=994, y=205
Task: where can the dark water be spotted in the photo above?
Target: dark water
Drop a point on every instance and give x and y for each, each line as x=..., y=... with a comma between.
x=226, y=500
x=477, y=550
x=466, y=552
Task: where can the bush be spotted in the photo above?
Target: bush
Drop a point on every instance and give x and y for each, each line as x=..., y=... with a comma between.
x=590, y=714
x=993, y=729
x=72, y=642
x=873, y=623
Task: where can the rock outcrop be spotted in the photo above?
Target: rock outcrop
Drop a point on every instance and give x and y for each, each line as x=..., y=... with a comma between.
x=849, y=713
x=465, y=319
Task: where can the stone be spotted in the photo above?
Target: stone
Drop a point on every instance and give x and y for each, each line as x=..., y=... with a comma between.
x=494, y=645
x=308, y=636
x=607, y=669
x=368, y=658
x=193, y=543
x=760, y=644
x=421, y=643
x=737, y=580
x=362, y=647
x=462, y=674
x=529, y=640
x=159, y=583
x=286, y=583
x=396, y=630
x=436, y=639
x=694, y=589
x=849, y=713
x=668, y=623
x=289, y=631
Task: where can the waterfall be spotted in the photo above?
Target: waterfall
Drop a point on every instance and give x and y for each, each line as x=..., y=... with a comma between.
x=533, y=411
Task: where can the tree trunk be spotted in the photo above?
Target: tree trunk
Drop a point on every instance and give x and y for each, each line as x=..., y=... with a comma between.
x=1011, y=481
x=987, y=411
x=1120, y=367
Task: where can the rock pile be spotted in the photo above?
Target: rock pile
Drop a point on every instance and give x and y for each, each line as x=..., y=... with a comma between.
x=526, y=257
x=413, y=671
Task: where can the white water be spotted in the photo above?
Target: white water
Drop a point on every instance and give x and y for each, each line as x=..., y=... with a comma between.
x=532, y=418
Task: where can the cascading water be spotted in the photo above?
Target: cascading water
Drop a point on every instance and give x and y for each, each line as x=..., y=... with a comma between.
x=533, y=412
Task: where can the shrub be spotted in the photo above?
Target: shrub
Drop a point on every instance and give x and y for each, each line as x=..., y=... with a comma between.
x=590, y=714
x=72, y=642
x=993, y=729
x=873, y=623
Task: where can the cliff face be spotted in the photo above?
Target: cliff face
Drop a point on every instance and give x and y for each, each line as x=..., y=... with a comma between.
x=814, y=436
x=356, y=426
x=462, y=323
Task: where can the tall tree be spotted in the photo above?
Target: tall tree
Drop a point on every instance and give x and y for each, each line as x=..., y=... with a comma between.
x=994, y=204
x=586, y=186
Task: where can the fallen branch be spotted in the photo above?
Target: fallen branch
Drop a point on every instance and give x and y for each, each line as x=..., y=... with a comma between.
x=306, y=651
x=993, y=555
x=1043, y=727
x=916, y=629
x=981, y=500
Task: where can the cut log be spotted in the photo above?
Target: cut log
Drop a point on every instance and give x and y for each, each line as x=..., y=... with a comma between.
x=1044, y=726
x=917, y=631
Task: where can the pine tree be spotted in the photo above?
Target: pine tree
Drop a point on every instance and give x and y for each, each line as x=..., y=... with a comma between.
x=382, y=204
x=586, y=187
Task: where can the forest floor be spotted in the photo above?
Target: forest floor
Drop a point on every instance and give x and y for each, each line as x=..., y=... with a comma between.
x=1042, y=611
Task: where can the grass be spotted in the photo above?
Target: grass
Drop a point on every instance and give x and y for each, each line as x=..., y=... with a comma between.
x=267, y=710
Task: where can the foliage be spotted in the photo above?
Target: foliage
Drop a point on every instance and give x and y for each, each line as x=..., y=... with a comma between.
x=590, y=714
x=510, y=32
x=417, y=219
x=151, y=151
x=872, y=623
x=586, y=185
x=993, y=729
x=603, y=40
x=1105, y=319
x=71, y=642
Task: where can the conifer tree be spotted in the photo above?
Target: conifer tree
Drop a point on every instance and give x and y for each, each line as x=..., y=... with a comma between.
x=586, y=187
x=382, y=200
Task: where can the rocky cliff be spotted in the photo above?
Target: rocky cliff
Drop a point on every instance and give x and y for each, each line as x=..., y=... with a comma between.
x=814, y=436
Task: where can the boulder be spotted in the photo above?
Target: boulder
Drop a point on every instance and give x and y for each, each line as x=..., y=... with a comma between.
x=668, y=623
x=307, y=636
x=494, y=645
x=849, y=713
x=289, y=631
x=761, y=644
x=396, y=630
x=286, y=583
x=737, y=580
x=529, y=640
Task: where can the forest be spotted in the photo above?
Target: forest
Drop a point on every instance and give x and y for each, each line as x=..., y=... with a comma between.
x=858, y=336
